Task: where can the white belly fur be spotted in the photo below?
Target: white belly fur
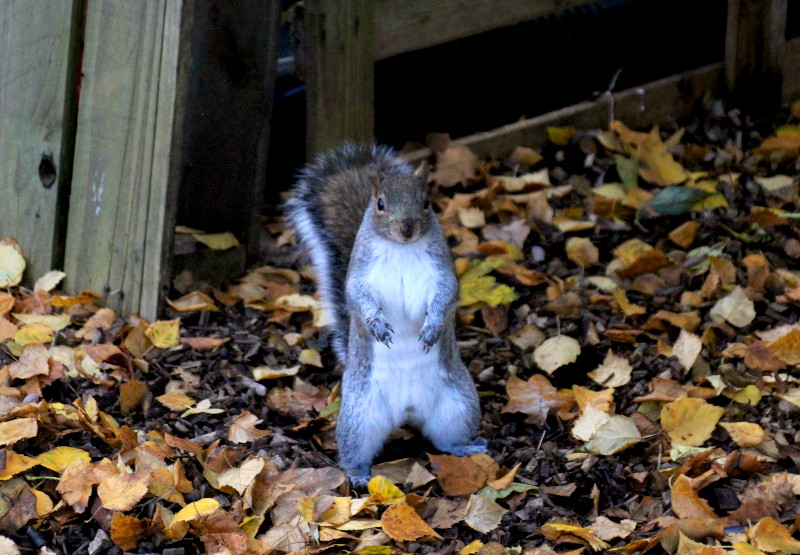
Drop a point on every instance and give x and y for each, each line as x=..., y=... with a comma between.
x=405, y=379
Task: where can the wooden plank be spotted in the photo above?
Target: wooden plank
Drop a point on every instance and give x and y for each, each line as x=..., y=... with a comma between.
x=754, y=43
x=116, y=228
x=408, y=25
x=791, y=71
x=339, y=47
x=233, y=48
x=37, y=92
x=663, y=100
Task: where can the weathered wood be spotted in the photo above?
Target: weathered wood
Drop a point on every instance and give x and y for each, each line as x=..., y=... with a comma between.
x=791, y=70
x=233, y=48
x=37, y=92
x=339, y=53
x=663, y=100
x=408, y=25
x=754, y=44
x=117, y=219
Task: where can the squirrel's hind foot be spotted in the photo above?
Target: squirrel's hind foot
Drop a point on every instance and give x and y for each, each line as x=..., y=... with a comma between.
x=359, y=478
x=477, y=445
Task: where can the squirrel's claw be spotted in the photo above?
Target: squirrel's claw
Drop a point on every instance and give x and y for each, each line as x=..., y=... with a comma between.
x=382, y=331
x=429, y=335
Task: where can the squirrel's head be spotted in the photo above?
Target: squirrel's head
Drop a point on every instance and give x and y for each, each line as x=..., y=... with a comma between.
x=400, y=206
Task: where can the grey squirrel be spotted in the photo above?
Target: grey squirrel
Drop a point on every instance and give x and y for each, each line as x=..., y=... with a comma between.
x=385, y=272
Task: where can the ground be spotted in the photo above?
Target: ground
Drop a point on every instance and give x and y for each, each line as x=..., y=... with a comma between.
x=629, y=307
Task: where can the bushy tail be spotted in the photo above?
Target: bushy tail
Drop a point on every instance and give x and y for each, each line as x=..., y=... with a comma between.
x=326, y=243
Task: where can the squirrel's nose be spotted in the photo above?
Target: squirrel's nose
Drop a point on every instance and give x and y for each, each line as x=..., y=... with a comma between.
x=407, y=229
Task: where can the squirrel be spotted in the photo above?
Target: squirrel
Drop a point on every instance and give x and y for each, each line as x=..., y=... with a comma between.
x=385, y=272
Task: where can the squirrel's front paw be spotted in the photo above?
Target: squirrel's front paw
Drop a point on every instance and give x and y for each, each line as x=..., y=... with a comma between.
x=429, y=335
x=381, y=330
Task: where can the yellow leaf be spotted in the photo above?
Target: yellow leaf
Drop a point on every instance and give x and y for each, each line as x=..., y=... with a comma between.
x=402, y=523
x=164, y=334
x=748, y=395
x=745, y=434
x=195, y=510
x=310, y=357
x=44, y=505
x=16, y=463
x=203, y=407
x=12, y=264
x=56, y=322
x=175, y=401
x=478, y=287
x=472, y=548
x=126, y=531
x=656, y=164
x=689, y=420
x=217, y=241
x=123, y=490
x=744, y=548
x=59, y=458
x=384, y=492
x=555, y=530
x=267, y=373
x=36, y=332
x=193, y=301
x=770, y=535
x=560, y=135
x=15, y=430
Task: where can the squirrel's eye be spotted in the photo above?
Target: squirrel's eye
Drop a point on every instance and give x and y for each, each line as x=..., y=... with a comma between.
x=381, y=206
x=426, y=204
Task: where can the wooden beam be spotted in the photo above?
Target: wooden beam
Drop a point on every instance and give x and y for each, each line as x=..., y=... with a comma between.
x=37, y=94
x=663, y=100
x=339, y=52
x=118, y=217
x=754, y=44
x=791, y=75
x=408, y=25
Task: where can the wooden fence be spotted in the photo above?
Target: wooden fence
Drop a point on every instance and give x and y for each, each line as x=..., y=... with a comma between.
x=114, y=112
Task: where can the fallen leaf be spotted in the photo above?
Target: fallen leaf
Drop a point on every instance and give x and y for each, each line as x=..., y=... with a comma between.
x=556, y=352
x=122, y=491
x=555, y=530
x=402, y=523
x=12, y=263
x=483, y=513
x=49, y=280
x=205, y=344
x=614, y=371
x=458, y=476
x=687, y=348
x=384, y=492
x=15, y=430
x=607, y=529
x=736, y=309
x=536, y=398
x=195, y=510
x=745, y=434
x=127, y=531
x=32, y=362
x=582, y=251
x=175, y=400
x=192, y=302
x=59, y=458
x=620, y=432
x=243, y=429
x=131, y=395
x=203, y=407
x=267, y=373
x=164, y=334
x=770, y=535
x=690, y=421
x=310, y=357
x=217, y=241
x=475, y=286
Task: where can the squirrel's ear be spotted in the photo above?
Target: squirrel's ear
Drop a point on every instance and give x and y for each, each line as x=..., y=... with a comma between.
x=374, y=176
x=423, y=171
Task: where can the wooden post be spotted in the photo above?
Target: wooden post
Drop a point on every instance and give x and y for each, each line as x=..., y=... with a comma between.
x=119, y=214
x=37, y=100
x=339, y=43
x=754, y=47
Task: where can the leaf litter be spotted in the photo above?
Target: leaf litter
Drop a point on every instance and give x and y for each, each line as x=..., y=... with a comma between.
x=629, y=308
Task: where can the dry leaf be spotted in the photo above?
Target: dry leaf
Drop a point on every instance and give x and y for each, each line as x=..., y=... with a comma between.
x=687, y=348
x=61, y=457
x=243, y=428
x=745, y=434
x=736, y=309
x=122, y=491
x=15, y=430
x=164, y=334
x=690, y=421
x=620, y=432
x=12, y=263
x=458, y=476
x=402, y=523
x=49, y=280
x=582, y=251
x=556, y=352
x=175, y=401
x=536, y=398
x=127, y=531
x=192, y=302
x=483, y=513
x=770, y=535
x=205, y=344
x=195, y=510
x=615, y=371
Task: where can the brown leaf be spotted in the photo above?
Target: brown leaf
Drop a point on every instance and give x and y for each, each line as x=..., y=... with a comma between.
x=127, y=531
x=786, y=348
x=131, y=395
x=15, y=430
x=458, y=476
x=205, y=344
x=582, y=251
x=243, y=428
x=685, y=501
x=122, y=491
x=402, y=523
x=536, y=398
x=22, y=511
x=684, y=235
x=32, y=362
